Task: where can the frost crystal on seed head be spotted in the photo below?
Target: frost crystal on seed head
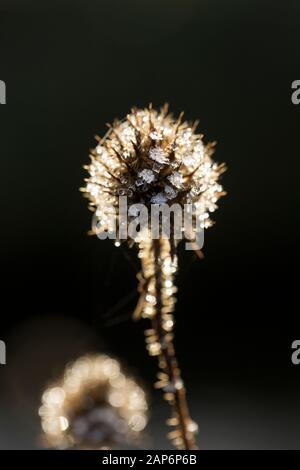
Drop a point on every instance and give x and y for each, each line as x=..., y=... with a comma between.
x=159, y=198
x=176, y=179
x=157, y=154
x=170, y=192
x=147, y=175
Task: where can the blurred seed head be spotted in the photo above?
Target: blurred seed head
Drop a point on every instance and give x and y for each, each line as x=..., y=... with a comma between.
x=94, y=405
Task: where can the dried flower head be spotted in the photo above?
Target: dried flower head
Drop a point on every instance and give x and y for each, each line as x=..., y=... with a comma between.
x=152, y=158
x=94, y=405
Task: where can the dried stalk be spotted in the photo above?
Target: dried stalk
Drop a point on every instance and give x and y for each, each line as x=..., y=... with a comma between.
x=157, y=303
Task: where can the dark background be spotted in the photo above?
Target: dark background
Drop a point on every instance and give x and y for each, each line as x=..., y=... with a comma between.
x=69, y=68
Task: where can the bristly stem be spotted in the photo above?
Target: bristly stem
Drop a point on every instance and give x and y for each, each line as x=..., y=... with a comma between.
x=157, y=263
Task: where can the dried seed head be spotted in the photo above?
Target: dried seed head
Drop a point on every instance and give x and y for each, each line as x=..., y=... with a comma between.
x=92, y=406
x=152, y=158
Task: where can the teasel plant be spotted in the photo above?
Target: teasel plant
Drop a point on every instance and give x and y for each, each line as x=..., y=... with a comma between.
x=153, y=159
x=93, y=405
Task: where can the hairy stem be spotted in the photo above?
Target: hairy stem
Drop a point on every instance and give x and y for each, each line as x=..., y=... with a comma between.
x=157, y=291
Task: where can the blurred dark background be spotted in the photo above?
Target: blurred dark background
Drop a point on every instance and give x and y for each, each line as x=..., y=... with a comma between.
x=69, y=68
